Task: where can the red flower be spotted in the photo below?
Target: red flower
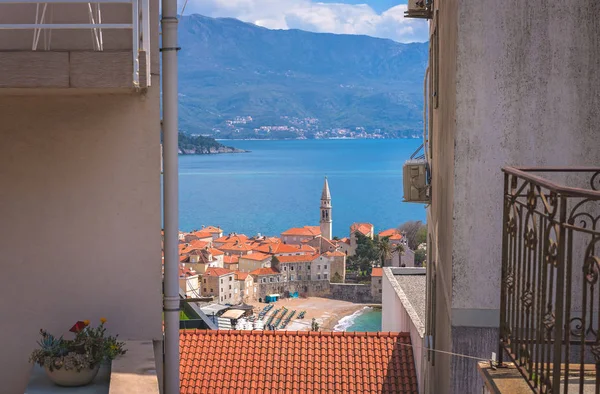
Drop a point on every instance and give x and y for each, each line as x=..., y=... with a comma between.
x=80, y=325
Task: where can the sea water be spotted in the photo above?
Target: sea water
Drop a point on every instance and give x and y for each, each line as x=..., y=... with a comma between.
x=278, y=185
x=367, y=319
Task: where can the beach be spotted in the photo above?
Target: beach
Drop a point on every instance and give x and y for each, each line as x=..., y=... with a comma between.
x=326, y=312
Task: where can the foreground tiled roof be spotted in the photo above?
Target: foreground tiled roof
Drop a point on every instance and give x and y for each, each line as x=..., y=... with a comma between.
x=295, y=362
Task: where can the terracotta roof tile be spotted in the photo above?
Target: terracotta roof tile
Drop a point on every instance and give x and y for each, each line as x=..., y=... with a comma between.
x=231, y=259
x=297, y=258
x=306, y=231
x=217, y=271
x=256, y=256
x=299, y=362
x=363, y=228
x=215, y=252
x=265, y=271
x=241, y=275
x=336, y=253
x=390, y=232
x=377, y=272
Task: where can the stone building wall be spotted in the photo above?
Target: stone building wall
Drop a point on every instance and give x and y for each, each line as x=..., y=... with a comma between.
x=351, y=292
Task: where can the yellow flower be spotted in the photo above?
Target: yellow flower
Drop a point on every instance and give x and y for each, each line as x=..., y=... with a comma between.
x=86, y=322
x=102, y=320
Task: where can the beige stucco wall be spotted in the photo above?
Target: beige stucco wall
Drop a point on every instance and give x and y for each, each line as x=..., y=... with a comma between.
x=80, y=213
x=519, y=85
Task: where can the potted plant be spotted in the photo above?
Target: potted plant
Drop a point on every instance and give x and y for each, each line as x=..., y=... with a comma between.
x=75, y=362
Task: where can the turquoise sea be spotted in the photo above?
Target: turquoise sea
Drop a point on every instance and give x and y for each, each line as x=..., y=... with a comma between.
x=278, y=185
x=367, y=319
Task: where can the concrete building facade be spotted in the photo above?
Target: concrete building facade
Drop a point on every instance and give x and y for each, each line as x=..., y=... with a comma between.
x=511, y=83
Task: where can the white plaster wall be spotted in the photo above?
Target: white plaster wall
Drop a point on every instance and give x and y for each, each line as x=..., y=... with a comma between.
x=79, y=219
x=527, y=93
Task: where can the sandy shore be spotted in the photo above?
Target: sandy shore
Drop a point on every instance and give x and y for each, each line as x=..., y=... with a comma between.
x=326, y=312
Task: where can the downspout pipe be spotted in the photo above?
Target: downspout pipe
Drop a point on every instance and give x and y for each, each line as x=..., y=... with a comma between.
x=170, y=196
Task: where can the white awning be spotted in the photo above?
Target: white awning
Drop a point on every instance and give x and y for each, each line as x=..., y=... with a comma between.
x=233, y=314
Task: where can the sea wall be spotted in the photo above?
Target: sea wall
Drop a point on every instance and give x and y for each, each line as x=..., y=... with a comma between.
x=352, y=292
x=305, y=288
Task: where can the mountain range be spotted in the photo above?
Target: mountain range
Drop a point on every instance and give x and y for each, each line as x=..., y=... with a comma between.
x=308, y=81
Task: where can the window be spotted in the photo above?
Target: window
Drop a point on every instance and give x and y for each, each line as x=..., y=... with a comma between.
x=308, y=267
x=229, y=287
x=230, y=278
x=205, y=289
x=325, y=276
x=263, y=280
x=379, y=281
x=221, y=281
x=319, y=267
x=292, y=268
x=211, y=290
x=204, y=280
x=270, y=279
x=380, y=290
x=285, y=268
x=318, y=276
x=221, y=289
x=221, y=298
x=230, y=294
x=326, y=266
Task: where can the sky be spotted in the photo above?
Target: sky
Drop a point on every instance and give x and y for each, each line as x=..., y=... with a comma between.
x=376, y=18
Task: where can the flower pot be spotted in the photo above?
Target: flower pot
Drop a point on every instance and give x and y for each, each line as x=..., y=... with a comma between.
x=72, y=377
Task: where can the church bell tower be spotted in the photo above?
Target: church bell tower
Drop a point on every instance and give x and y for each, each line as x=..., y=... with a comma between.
x=326, y=223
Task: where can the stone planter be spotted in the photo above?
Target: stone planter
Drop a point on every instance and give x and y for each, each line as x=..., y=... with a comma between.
x=72, y=377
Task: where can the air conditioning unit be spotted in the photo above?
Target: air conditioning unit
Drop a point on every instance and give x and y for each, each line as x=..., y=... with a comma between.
x=418, y=9
x=416, y=188
x=417, y=5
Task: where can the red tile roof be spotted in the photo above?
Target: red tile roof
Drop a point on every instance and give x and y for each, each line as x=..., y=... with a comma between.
x=232, y=238
x=256, y=256
x=202, y=234
x=215, y=252
x=217, y=271
x=241, y=275
x=306, y=231
x=389, y=233
x=237, y=247
x=222, y=361
x=265, y=271
x=231, y=259
x=377, y=272
x=212, y=229
x=363, y=228
x=298, y=258
x=336, y=253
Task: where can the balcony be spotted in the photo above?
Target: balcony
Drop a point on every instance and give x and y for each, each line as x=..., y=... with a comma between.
x=74, y=44
x=550, y=298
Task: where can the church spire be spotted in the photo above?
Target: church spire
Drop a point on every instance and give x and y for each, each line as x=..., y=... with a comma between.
x=326, y=222
x=326, y=195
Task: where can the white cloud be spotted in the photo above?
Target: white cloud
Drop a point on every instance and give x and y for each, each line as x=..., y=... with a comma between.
x=317, y=17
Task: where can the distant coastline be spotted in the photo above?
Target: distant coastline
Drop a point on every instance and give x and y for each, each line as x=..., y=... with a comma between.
x=313, y=139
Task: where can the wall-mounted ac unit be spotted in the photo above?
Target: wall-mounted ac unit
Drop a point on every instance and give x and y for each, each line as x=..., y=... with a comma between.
x=416, y=188
x=418, y=9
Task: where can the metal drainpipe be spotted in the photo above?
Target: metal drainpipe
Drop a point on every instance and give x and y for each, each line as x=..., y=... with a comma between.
x=171, y=196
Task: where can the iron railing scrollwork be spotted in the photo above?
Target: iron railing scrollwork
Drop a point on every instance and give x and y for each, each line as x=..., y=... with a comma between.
x=550, y=301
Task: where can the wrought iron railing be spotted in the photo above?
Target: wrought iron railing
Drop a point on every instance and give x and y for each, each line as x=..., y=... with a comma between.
x=550, y=301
